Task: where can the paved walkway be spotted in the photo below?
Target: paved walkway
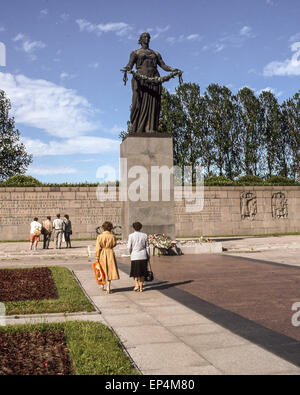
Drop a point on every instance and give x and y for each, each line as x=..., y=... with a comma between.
x=164, y=336
x=186, y=323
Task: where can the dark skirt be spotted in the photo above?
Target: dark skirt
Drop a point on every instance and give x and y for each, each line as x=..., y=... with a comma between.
x=139, y=268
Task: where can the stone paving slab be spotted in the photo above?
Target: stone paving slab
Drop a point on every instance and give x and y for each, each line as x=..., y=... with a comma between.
x=208, y=341
x=252, y=244
x=207, y=370
x=161, y=356
x=194, y=330
x=170, y=320
x=289, y=256
x=146, y=334
x=247, y=359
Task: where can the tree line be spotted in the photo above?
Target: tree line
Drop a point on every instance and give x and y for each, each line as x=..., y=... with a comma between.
x=233, y=135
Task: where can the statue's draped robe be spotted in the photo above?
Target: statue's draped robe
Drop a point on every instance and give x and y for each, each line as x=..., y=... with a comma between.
x=146, y=96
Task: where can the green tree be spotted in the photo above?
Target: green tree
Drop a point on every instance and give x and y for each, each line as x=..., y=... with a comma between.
x=13, y=156
x=284, y=153
x=195, y=131
x=172, y=121
x=271, y=125
x=291, y=122
x=124, y=133
x=222, y=121
x=185, y=117
x=249, y=115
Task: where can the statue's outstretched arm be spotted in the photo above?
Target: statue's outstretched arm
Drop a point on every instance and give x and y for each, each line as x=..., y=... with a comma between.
x=132, y=61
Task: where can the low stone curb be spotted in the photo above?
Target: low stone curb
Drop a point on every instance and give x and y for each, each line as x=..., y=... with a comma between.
x=51, y=315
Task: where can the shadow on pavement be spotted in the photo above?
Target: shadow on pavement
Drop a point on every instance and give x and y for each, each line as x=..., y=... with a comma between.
x=160, y=286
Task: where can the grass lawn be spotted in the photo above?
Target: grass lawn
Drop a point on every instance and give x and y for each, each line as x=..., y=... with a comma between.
x=70, y=299
x=77, y=348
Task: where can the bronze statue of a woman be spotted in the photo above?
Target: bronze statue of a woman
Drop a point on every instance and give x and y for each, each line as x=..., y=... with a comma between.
x=146, y=86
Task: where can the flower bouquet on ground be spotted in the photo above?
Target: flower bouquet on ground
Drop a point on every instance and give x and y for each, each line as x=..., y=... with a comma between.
x=163, y=244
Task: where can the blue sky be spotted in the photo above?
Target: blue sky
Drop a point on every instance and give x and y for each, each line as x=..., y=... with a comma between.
x=63, y=60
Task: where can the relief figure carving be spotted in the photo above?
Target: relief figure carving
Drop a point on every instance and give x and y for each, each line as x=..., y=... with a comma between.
x=279, y=205
x=248, y=205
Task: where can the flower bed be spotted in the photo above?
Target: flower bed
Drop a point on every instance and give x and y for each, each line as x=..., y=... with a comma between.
x=69, y=348
x=34, y=353
x=41, y=290
x=27, y=284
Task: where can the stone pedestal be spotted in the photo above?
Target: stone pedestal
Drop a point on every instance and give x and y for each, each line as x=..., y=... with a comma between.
x=147, y=195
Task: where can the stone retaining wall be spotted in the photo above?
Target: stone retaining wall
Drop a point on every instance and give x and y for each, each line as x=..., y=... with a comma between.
x=269, y=210
x=227, y=211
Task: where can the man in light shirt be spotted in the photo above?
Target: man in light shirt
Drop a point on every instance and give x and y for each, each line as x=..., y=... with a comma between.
x=35, y=232
x=58, y=226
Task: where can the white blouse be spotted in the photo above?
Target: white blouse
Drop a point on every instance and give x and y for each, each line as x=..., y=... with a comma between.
x=138, y=246
x=34, y=226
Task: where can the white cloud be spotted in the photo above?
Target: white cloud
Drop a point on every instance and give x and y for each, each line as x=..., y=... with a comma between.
x=44, y=12
x=44, y=105
x=94, y=65
x=216, y=47
x=2, y=28
x=269, y=89
x=119, y=28
x=66, y=76
x=49, y=171
x=246, y=31
x=71, y=146
x=194, y=37
x=156, y=32
x=219, y=47
x=237, y=40
x=19, y=37
x=182, y=38
x=27, y=45
x=287, y=67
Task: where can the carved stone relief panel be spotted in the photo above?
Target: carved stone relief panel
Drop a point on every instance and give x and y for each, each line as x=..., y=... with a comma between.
x=279, y=205
x=248, y=205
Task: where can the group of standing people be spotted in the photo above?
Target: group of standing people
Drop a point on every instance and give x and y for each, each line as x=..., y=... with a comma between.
x=62, y=228
x=139, y=250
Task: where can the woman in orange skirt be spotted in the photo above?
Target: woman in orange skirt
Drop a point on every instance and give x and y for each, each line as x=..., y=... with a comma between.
x=105, y=254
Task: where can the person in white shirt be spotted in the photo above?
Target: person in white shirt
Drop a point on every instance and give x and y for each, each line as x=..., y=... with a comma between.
x=35, y=232
x=138, y=247
x=58, y=226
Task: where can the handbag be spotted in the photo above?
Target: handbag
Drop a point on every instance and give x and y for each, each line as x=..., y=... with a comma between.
x=99, y=273
x=149, y=274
